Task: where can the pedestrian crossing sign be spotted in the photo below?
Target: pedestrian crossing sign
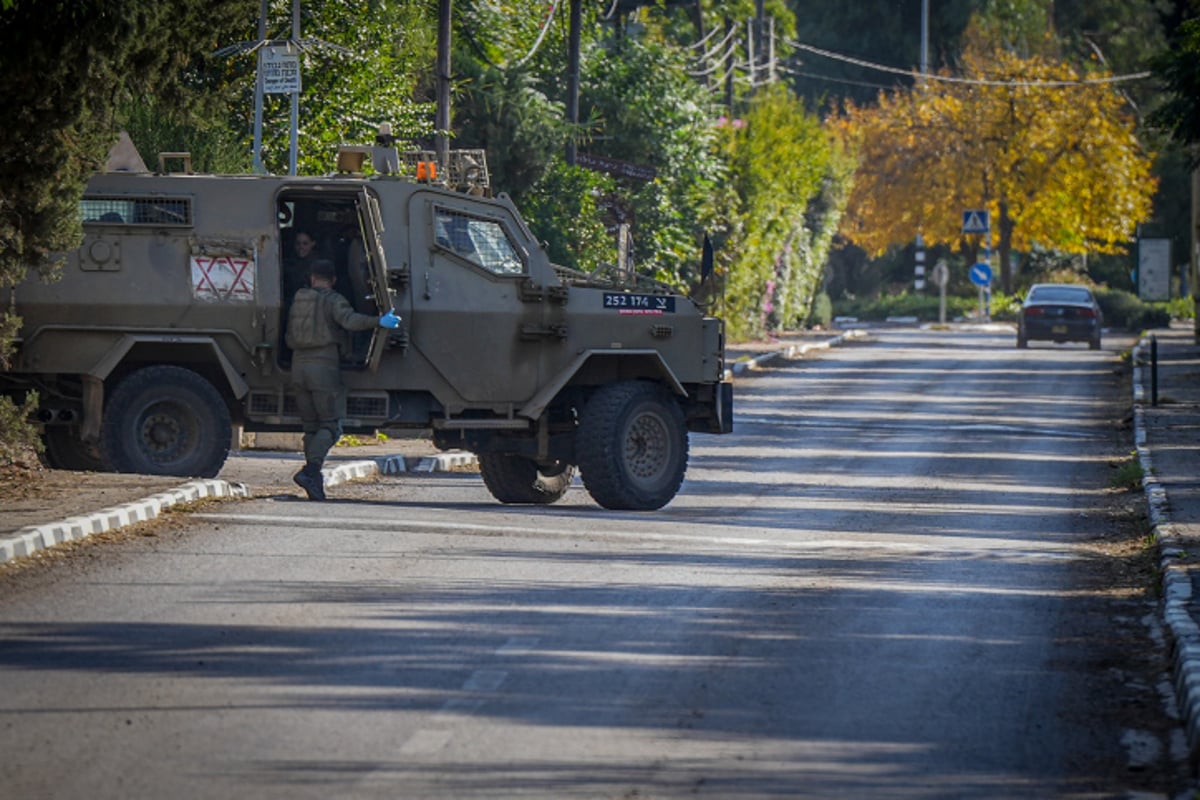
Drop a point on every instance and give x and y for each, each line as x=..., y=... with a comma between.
x=976, y=221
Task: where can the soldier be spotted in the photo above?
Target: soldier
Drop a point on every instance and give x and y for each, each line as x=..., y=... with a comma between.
x=318, y=324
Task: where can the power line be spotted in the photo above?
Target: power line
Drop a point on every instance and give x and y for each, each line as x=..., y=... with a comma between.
x=814, y=76
x=541, y=36
x=858, y=62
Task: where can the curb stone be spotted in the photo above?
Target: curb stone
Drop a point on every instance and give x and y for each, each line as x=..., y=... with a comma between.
x=26, y=541
x=1176, y=582
x=789, y=353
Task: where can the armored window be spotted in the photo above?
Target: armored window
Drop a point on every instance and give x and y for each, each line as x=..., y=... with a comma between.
x=483, y=242
x=126, y=210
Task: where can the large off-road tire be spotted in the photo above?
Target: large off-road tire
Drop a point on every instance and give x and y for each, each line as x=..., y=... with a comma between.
x=632, y=446
x=513, y=479
x=166, y=420
x=63, y=449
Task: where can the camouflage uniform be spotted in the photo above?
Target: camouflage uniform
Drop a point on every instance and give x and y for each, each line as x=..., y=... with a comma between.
x=317, y=329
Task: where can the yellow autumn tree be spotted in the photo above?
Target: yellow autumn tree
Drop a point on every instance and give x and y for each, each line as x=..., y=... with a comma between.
x=1050, y=153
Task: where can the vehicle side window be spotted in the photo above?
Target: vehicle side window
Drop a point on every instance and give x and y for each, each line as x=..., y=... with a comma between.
x=483, y=242
x=157, y=211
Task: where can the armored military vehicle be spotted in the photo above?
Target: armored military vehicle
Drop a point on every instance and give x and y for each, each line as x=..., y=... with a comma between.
x=167, y=331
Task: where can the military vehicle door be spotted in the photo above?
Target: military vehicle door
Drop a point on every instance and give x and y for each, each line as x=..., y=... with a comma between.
x=371, y=226
x=342, y=225
x=470, y=318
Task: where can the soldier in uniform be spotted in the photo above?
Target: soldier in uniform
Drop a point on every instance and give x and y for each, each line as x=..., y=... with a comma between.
x=318, y=326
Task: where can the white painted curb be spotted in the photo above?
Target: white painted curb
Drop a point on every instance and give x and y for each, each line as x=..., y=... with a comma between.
x=1176, y=582
x=26, y=541
x=788, y=353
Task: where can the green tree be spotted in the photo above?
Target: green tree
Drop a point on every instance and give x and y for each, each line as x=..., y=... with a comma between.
x=642, y=107
x=372, y=75
x=1179, y=70
x=66, y=66
x=788, y=189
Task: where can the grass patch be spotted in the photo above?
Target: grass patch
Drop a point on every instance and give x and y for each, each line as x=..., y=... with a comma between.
x=1128, y=474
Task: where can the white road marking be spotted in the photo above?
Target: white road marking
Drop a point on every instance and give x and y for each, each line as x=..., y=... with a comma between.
x=517, y=645
x=867, y=541
x=424, y=742
x=485, y=680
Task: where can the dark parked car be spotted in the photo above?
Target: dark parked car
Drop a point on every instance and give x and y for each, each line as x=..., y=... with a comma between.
x=1060, y=312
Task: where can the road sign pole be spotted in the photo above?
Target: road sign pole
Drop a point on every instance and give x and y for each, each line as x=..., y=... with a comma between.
x=919, y=267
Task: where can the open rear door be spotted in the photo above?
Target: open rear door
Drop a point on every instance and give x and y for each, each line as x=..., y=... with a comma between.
x=371, y=224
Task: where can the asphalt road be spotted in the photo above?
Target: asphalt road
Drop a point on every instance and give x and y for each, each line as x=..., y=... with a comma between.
x=882, y=585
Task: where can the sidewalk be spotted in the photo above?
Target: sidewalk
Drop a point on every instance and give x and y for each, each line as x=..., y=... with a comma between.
x=1167, y=437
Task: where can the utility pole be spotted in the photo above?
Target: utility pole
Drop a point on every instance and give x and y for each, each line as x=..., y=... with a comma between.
x=258, y=96
x=575, y=24
x=760, y=16
x=441, y=136
x=294, y=146
x=924, y=38
x=919, y=255
x=730, y=60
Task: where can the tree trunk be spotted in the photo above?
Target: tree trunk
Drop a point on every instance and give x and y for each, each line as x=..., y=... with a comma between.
x=1004, y=249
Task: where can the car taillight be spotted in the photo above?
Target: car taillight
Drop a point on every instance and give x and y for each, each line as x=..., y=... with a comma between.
x=1035, y=311
x=1087, y=313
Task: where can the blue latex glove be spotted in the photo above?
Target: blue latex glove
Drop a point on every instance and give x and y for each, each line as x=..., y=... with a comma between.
x=389, y=320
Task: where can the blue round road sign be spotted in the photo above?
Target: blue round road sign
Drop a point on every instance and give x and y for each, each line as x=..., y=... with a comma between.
x=980, y=274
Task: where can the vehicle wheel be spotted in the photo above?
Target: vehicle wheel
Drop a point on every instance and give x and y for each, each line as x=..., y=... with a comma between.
x=632, y=446
x=166, y=421
x=513, y=479
x=65, y=450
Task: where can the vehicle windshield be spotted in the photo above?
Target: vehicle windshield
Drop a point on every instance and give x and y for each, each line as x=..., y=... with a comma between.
x=1060, y=294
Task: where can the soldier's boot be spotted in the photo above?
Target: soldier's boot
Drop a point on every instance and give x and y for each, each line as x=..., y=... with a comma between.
x=311, y=480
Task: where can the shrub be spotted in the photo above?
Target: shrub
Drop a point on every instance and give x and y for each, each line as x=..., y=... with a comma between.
x=821, y=313
x=923, y=307
x=17, y=436
x=1125, y=310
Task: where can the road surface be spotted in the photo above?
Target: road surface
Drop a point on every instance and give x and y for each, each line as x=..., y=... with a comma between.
x=894, y=580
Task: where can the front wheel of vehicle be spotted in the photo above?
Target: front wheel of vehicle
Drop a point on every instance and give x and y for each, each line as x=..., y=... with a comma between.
x=166, y=420
x=632, y=446
x=514, y=479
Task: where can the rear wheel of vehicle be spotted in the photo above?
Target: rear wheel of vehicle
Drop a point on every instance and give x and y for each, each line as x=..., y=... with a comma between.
x=632, y=446
x=166, y=420
x=65, y=450
x=514, y=479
